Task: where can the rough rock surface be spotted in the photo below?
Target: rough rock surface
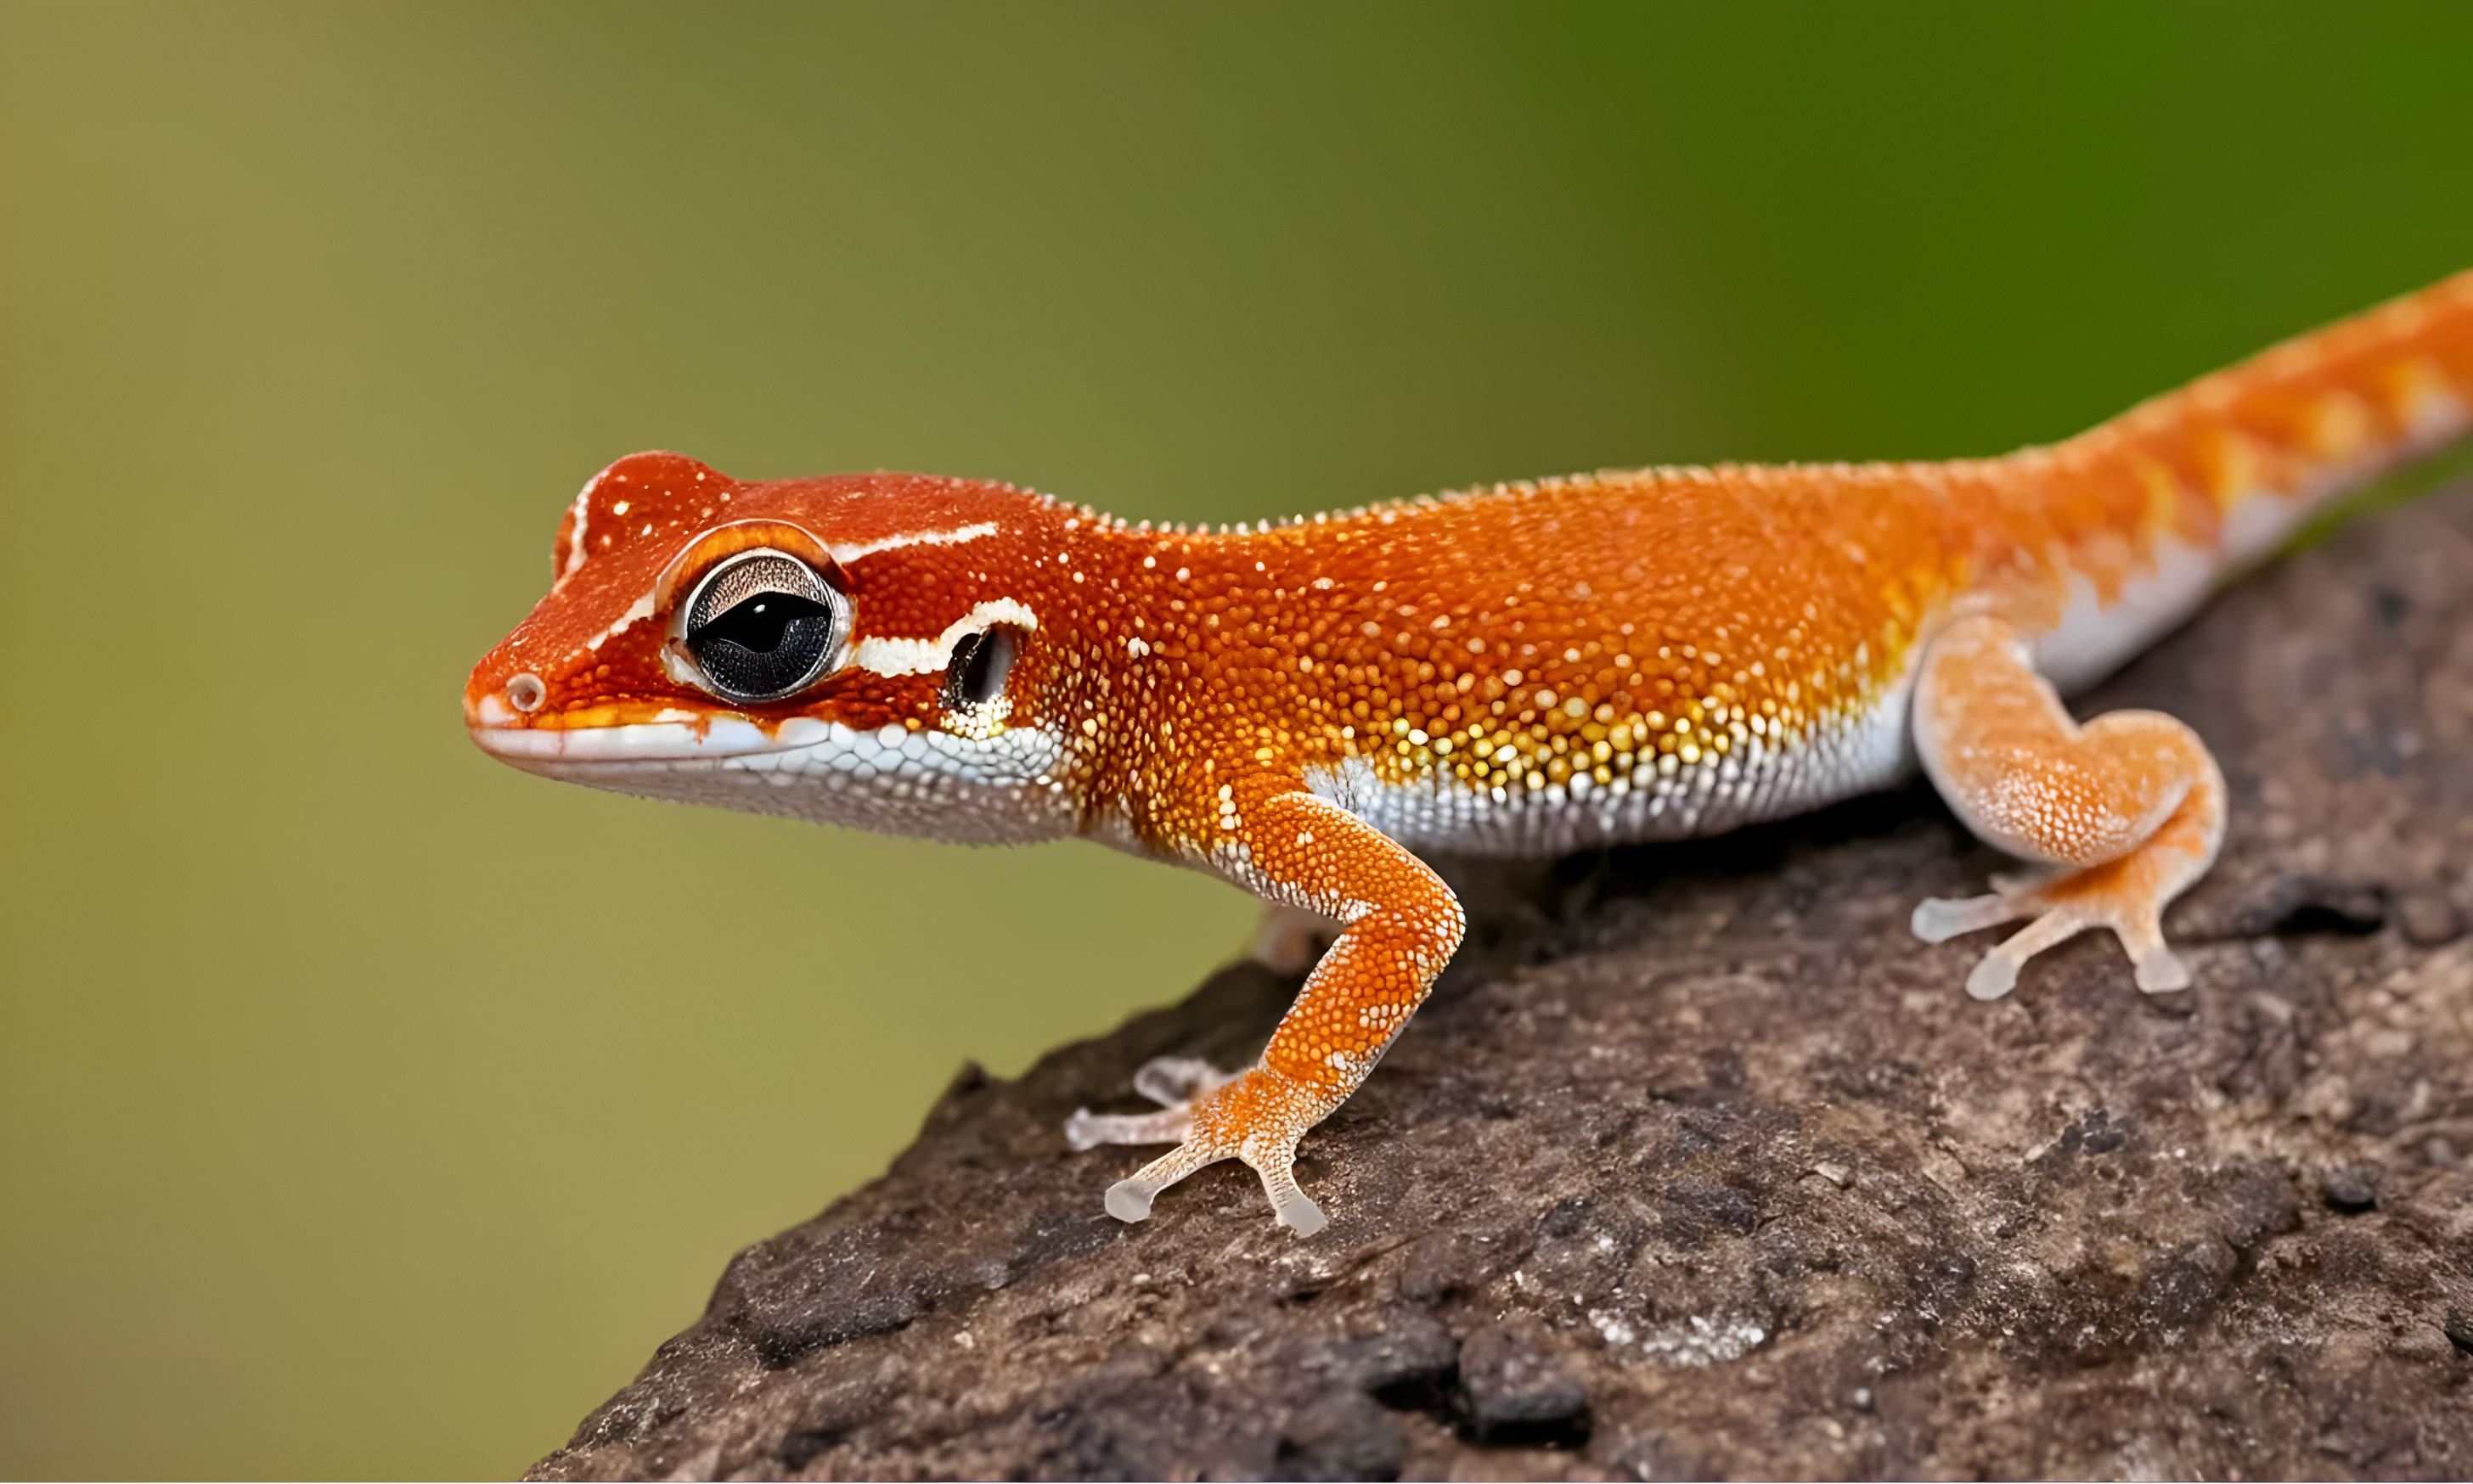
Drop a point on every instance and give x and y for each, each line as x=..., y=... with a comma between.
x=1699, y=1164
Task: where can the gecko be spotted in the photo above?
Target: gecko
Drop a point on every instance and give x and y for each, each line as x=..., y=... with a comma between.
x=1308, y=706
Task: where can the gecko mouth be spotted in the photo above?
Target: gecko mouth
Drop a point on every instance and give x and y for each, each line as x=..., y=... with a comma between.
x=800, y=747
x=716, y=740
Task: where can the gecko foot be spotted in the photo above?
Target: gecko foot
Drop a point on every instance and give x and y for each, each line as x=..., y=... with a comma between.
x=1256, y=1117
x=2120, y=815
x=2126, y=896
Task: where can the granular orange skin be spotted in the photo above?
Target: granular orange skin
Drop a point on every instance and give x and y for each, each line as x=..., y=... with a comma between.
x=1511, y=642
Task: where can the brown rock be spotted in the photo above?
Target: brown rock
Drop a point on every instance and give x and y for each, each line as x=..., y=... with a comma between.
x=1698, y=1164
x=1514, y=1390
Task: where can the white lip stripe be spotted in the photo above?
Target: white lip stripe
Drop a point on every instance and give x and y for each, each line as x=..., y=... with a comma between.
x=920, y=656
x=953, y=537
x=643, y=742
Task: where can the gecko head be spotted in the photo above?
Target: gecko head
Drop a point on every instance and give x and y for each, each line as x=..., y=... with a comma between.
x=840, y=648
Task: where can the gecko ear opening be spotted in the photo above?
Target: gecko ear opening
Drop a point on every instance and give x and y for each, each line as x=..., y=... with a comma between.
x=980, y=663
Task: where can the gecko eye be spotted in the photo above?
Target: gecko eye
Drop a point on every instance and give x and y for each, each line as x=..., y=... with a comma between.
x=980, y=663
x=763, y=626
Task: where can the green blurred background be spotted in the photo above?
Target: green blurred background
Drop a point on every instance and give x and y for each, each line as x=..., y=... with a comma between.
x=367, y=1107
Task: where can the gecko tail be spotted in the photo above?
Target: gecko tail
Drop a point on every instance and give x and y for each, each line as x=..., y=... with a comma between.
x=2246, y=453
x=2150, y=513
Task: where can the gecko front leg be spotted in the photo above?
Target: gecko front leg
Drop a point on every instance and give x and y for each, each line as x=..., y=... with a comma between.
x=2120, y=815
x=1401, y=924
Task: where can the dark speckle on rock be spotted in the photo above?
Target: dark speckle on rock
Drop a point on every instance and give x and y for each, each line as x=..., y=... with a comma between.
x=1406, y=1363
x=2351, y=1188
x=2307, y=902
x=2093, y=1133
x=2246, y=1203
x=1712, y=1169
x=1517, y=1391
x=1567, y=1217
x=1696, y=1211
x=800, y=1447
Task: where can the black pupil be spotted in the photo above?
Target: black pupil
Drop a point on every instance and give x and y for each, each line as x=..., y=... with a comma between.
x=763, y=646
x=762, y=622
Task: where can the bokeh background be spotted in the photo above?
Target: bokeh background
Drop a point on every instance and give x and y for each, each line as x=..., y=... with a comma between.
x=367, y=1107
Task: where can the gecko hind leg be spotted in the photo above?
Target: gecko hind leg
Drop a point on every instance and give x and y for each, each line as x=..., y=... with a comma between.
x=2117, y=817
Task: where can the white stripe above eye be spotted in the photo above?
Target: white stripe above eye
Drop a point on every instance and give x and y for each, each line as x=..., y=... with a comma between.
x=922, y=657
x=953, y=537
x=582, y=511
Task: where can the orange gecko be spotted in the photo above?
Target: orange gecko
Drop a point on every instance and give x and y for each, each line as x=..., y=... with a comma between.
x=1303, y=706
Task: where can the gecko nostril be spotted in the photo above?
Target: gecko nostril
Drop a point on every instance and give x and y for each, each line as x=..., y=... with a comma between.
x=525, y=692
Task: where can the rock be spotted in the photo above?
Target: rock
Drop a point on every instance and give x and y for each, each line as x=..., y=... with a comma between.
x=1699, y=1164
x=2351, y=1188
x=1516, y=1391
x=1343, y=1435
x=2428, y=919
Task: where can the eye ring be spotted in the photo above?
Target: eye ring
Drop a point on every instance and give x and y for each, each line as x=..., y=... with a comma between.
x=761, y=624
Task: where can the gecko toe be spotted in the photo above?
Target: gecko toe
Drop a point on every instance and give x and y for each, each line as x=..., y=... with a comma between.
x=1176, y=1081
x=1087, y=1129
x=1130, y=1200
x=2160, y=971
x=1995, y=976
x=1255, y=1117
x=1939, y=919
x=1294, y=1208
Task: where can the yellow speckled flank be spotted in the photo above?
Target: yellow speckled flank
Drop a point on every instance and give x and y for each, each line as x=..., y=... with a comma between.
x=1525, y=669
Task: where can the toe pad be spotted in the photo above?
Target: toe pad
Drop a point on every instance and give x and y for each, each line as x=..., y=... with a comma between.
x=1130, y=1200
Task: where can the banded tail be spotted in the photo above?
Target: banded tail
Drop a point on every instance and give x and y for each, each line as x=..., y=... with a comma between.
x=2157, y=506
x=2241, y=453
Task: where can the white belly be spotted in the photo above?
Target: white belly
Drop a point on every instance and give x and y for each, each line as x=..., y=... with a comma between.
x=1662, y=800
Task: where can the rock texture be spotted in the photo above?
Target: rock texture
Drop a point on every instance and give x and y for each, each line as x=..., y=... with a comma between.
x=1698, y=1164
